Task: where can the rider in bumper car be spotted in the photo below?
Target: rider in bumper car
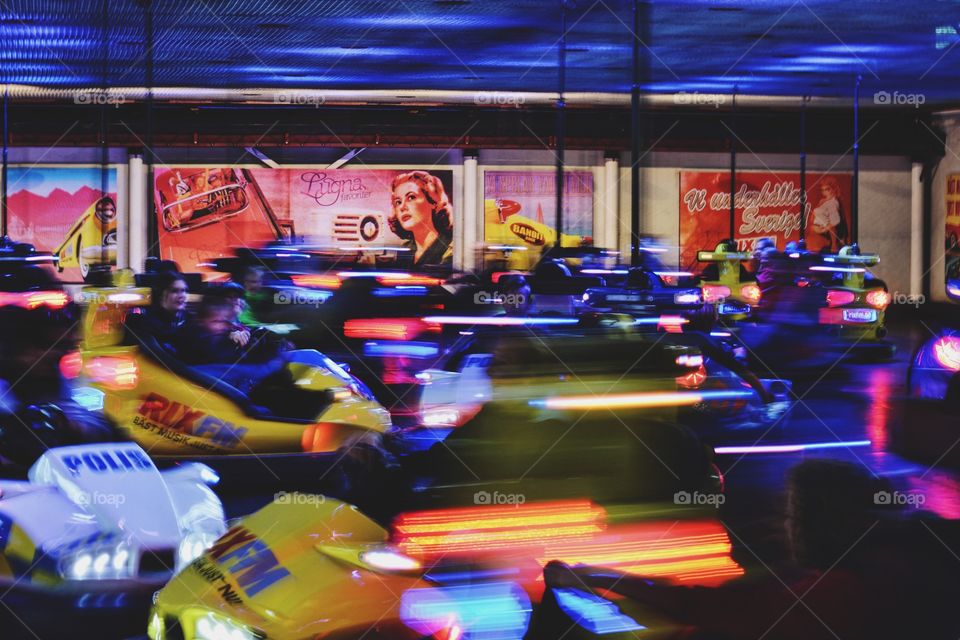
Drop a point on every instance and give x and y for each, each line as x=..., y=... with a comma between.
x=38, y=409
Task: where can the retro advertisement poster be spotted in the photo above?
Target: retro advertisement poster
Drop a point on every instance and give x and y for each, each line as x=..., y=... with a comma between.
x=398, y=216
x=63, y=210
x=519, y=208
x=952, y=255
x=767, y=205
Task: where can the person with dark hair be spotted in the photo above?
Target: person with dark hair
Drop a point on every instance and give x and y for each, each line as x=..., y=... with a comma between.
x=37, y=407
x=422, y=216
x=850, y=563
x=166, y=316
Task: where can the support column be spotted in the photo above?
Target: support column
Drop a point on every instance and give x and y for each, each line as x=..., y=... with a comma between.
x=916, y=229
x=611, y=204
x=123, y=216
x=136, y=213
x=472, y=215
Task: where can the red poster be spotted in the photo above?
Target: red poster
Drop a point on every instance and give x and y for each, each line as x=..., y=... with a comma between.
x=204, y=212
x=767, y=205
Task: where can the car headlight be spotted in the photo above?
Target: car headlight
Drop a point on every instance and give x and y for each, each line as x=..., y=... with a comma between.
x=213, y=627
x=440, y=417
x=688, y=297
x=99, y=562
x=193, y=546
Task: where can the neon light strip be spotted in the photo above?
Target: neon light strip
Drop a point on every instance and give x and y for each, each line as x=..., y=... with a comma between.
x=506, y=247
x=839, y=269
x=674, y=274
x=664, y=320
x=498, y=321
x=790, y=448
x=637, y=400
x=619, y=272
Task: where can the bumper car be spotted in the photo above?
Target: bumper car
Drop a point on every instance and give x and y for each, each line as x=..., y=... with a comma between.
x=726, y=285
x=856, y=302
x=175, y=410
x=96, y=529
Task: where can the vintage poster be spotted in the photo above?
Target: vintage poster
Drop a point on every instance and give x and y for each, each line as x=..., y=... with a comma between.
x=64, y=210
x=520, y=208
x=952, y=255
x=767, y=205
x=402, y=216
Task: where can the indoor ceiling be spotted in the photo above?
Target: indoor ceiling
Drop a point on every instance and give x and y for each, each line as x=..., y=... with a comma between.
x=778, y=47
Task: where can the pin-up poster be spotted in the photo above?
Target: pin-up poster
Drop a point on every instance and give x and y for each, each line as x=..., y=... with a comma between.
x=952, y=255
x=767, y=205
x=64, y=210
x=399, y=216
x=520, y=208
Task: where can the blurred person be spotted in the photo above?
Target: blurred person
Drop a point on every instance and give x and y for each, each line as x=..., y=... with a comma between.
x=256, y=299
x=37, y=408
x=849, y=563
x=214, y=336
x=422, y=216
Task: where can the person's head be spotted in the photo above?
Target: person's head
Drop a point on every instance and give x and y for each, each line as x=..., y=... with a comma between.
x=170, y=292
x=419, y=201
x=106, y=210
x=214, y=314
x=34, y=341
x=252, y=279
x=234, y=294
x=829, y=188
x=830, y=506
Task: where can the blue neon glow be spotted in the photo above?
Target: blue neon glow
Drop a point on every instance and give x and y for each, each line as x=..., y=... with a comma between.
x=400, y=291
x=953, y=289
x=486, y=611
x=87, y=397
x=790, y=448
x=721, y=334
x=409, y=349
x=593, y=613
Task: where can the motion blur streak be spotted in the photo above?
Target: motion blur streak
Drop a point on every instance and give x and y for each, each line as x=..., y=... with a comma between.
x=689, y=552
x=484, y=528
x=387, y=328
x=316, y=280
x=499, y=321
x=637, y=400
x=490, y=611
x=593, y=613
x=790, y=448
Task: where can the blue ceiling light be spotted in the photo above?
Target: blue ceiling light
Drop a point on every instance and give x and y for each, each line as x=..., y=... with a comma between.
x=946, y=36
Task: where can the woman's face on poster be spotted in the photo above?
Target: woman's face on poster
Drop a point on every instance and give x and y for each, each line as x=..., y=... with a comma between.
x=411, y=207
x=827, y=191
